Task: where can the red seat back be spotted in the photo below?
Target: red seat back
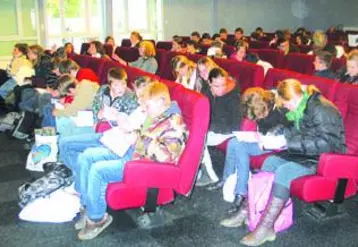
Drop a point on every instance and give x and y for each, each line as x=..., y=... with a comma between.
x=106, y=67
x=166, y=71
x=259, y=44
x=196, y=112
x=96, y=65
x=228, y=50
x=346, y=100
x=160, y=56
x=194, y=57
x=165, y=45
x=81, y=60
x=298, y=62
x=128, y=54
x=273, y=56
x=338, y=63
x=108, y=49
x=126, y=43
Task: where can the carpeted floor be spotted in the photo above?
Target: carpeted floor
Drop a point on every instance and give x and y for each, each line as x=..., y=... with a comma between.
x=195, y=220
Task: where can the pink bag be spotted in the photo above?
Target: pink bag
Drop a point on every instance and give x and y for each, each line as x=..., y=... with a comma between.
x=102, y=126
x=259, y=187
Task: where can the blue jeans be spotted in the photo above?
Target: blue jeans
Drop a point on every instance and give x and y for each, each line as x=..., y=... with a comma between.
x=285, y=171
x=7, y=87
x=48, y=119
x=96, y=168
x=238, y=159
x=67, y=127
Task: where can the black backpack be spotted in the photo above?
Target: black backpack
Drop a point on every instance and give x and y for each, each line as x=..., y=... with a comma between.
x=57, y=175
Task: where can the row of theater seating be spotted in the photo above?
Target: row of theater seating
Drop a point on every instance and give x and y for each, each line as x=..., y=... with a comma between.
x=337, y=174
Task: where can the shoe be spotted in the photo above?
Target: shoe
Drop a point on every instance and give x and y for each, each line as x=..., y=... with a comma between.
x=93, y=229
x=204, y=180
x=216, y=186
x=81, y=223
x=264, y=231
x=236, y=204
x=240, y=217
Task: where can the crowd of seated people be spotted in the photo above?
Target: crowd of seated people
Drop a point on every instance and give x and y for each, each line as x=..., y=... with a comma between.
x=300, y=112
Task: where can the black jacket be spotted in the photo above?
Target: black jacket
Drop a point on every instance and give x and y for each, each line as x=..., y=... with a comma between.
x=342, y=76
x=321, y=130
x=325, y=74
x=43, y=72
x=225, y=111
x=274, y=122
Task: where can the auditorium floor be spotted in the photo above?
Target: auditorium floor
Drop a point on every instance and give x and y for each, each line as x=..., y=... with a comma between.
x=195, y=220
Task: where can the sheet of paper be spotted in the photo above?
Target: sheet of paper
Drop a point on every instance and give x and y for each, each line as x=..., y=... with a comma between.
x=247, y=136
x=117, y=141
x=270, y=142
x=109, y=113
x=84, y=119
x=214, y=139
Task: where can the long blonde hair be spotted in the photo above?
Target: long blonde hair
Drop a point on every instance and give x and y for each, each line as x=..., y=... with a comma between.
x=39, y=51
x=288, y=88
x=179, y=62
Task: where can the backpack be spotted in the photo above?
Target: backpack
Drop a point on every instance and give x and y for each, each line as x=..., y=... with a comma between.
x=7, y=122
x=57, y=175
x=259, y=190
x=24, y=125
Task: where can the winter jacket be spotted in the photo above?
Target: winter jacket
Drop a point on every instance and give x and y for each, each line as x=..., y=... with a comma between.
x=325, y=74
x=43, y=72
x=148, y=64
x=164, y=140
x=225, y=114
x=321, y=130
x=82, y=100
x=345, y=78
x=126, y=103
x=274, y=122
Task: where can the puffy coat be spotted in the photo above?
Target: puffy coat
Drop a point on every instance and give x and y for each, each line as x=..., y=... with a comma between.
x=320, y=130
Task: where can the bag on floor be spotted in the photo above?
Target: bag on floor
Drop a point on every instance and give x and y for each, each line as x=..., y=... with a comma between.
x=24, y=125
x=8, y=121
x=259, y=188
x=57, y=176
x=60, y=206
x=45, y=149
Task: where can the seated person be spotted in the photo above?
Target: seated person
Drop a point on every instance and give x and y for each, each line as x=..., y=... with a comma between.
x=257, y=105
x=192, y=47
x=254, y=58
x=317, y=128
x=72, y=69
x=70, y=147
x=279, y=35
x=18, y=69
x=96, y=49
x=146, y=60
x=216, y=37
x=223, y=34
x=184, y=71
x=162, y=138
x=258, y=34
x=239, y=35
x=240, y=53
x=216, y=49
x=322, y=64
x=178, y=44
x=223, y=94
x=69, y=49
x=206, y=39
x=83, y=95
x=195, y=36
x=110, y=42
x=135, y=39
x=320, y=43
x=286, y=47
x=204, y=66
x=349, y=75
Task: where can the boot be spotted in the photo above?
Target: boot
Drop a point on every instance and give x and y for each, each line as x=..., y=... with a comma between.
x=239, y=199
x=265, y=229
x=239, y=217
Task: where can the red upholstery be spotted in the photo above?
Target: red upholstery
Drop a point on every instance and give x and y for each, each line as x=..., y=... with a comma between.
x=259, y=45
x=228, y=50
x=273, y=76
x=301, y=63
x=106, y=67
x=133, y=73
x=248, y=74
x=160, y=56
x=128, y=54
x=338, y=63
x=139, y=175
x=96, y=65
x=274, y=57
x=87, y=74
x=194, y=57
x=166, y=71
x=108, y=49
x=126, y=43
x=81, y=60
x=305, y=48
x=165, y=45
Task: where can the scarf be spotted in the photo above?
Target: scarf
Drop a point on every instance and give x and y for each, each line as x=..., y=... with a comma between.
x=297, y=114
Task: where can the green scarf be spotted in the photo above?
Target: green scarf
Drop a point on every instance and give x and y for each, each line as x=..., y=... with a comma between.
x=296, y=115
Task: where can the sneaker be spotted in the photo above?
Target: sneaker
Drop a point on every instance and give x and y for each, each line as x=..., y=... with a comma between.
x=93, y=229
x=216, y=186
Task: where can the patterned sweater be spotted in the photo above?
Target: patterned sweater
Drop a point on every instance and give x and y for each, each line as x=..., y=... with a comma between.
x=164, y=139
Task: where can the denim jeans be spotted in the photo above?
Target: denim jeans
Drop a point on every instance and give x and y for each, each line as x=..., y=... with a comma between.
x=48, y=119
x=238, y=159
x=7, y=87
x=96, y=168
x=285, y=171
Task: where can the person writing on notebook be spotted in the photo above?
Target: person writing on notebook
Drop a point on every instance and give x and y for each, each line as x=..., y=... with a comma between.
x=161, y=138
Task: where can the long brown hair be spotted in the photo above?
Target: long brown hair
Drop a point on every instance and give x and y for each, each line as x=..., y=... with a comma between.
x=39, y=51
x=256, y=103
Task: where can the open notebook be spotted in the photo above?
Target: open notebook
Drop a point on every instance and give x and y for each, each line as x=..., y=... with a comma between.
x=116, y=140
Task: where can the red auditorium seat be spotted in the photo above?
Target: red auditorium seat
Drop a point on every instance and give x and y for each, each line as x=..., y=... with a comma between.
x=194, y=57
x=165, y=45
x=273, y=56
x=228, y=50
x=301, y=63
x=166, y=67
x=259, y=44
x=160, y=56
x=305, y=48
x=128, y=54
x=338, y=63
x=96, y=65
x=126, y=43
x=141, y=177
x=81, y=60
x=108, y=50
x=106, y=67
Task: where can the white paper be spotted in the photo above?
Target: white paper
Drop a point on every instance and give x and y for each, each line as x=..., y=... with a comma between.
x=247, y=136
x=84, y=119
x=116, y=140
x=214, y=139
x=271, y=142
x=108, y=113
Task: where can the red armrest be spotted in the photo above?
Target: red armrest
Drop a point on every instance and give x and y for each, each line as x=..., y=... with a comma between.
x=150, y=174
x=338, y=166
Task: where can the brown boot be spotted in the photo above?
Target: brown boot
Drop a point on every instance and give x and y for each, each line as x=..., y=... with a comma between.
x=238, y=218
x=264, y=230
